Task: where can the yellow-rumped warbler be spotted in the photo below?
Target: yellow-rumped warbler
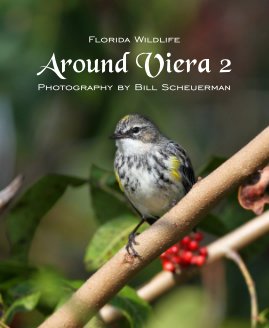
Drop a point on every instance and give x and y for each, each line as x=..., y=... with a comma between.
x=153, y=171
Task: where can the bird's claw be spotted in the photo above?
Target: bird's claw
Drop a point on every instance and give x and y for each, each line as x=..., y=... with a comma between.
x=130, y=245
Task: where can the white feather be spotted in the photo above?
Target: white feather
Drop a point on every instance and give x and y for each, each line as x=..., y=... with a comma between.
x=131, y=146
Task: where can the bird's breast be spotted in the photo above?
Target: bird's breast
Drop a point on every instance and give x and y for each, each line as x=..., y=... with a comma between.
x=148, y=183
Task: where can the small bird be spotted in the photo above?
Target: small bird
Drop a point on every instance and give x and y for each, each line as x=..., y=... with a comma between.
x=153, y=171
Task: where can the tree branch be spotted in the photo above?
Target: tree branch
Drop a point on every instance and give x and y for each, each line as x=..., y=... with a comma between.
x=110, y=278
x=165, y=280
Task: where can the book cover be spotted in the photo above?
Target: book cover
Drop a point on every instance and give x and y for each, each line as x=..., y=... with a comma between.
x=70, y=71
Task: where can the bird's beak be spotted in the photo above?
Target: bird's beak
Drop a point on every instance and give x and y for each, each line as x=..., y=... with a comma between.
x=116, y=136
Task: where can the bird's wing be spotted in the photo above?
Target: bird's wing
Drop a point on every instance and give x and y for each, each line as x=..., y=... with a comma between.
x=185, y=169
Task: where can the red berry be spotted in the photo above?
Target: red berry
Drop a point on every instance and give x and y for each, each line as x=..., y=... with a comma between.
x=174, y=249
x=198, y=236
x=200, y=260
x=163, y=256
x=193, y=260
x=185, y=241
x=177, y=259
x=193, y=245
x=203, y=251
x=169, y=253
x=168, y=266
x=186, y=257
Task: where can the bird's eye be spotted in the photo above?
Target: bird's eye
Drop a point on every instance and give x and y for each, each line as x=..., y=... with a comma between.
x=136, y=129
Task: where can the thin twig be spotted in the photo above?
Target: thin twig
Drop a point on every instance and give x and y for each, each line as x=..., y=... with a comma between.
x=7, y=194
x=234, y=256
x=121, y=268
x=3, y=325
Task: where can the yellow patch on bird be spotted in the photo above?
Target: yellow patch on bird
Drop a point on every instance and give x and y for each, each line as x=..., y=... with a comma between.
x=118, y=180
x=174, y=168
x=125, y=118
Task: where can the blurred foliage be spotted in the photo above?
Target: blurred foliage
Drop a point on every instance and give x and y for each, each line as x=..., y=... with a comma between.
x=25, y=287
x=26, y=303
x=134, y=308
x=182, y=308
x=104, y=190
x=109, y=239
x=264, y=319
x=24, y=218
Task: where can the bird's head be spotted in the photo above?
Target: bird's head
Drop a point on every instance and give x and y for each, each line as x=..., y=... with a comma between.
x=135, y=132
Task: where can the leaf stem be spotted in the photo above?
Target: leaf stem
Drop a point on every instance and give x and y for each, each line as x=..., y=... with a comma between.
x=237, y=259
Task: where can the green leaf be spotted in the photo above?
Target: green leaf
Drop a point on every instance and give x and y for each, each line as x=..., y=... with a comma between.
x=2, y=307
x=25, y=216
x=108, y=201
x=108, y=239
x=95, y=322
x=103, y=178
x=11, y=267
x=13, y=273
x=52, y=286
x=134, y=308
x=26, y=303
x=264, y=319
x=21, y=289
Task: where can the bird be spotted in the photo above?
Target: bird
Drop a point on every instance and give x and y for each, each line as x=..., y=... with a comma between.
x=153, y=171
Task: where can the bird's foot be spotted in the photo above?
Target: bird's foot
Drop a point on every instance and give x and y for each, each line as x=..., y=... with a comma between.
x=130, y=245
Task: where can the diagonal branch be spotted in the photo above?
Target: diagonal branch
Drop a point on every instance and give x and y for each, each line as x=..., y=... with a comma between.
x=109, y=279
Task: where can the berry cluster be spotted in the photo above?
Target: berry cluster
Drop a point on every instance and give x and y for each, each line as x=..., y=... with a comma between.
x=185, y=253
